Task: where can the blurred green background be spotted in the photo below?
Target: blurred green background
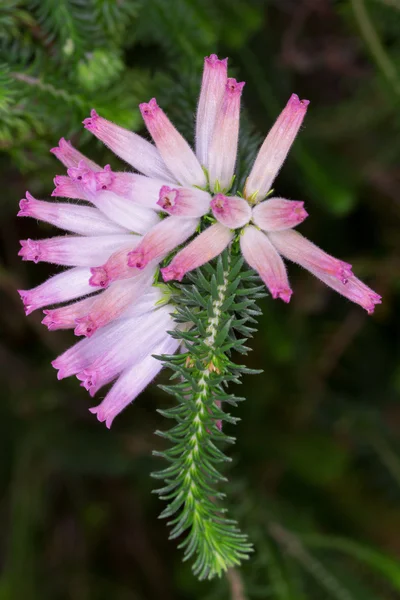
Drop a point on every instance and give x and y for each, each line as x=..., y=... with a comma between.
x=315, y=478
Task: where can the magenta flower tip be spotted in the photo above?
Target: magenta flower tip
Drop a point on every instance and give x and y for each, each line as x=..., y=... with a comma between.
x=148, y=109
x=214, y=61
x=171, y=273
x=218, y=203
x=99, y=277
x=283, y=293
x=30, y=250
x=296, y=103
x=84, y=326
x=90, y=122
x=234, y=87
x=136, y=259
x=167, y=198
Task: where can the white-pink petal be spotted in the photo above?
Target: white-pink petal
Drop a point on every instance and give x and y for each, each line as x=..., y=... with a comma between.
x=223, y=147
x=75, y=251
x=275, y=148
x=294, y=246
x=62, y=287
x=277, y=214
x=261, y=255
x=132, y=382
x=70, y=156
x=129, y=146
x=83, y=220
x=162, y=239
x=211, y=94
x=113, y=302
x=206, y=246
x=231, y=211
x=184, y=202
x=174, y=149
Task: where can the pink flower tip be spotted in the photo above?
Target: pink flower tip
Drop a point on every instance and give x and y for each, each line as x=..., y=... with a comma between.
x=30, y=250
x=101, y=415
x=283, y=293
x=137, y=260
x=61, y=147
x=295, y=102
x=344, y=272
x=85, y=326
x=90, y=122
x=170, y=273
x=214, y=61
x=99, y=277
x=56, y=364
x=167, y=198
x=25, y=205
x=234, y=87
x=148, y=109
x=89, y=380
x=299, y=212
x=49, y=320
x=26, y=300
x=219, y=203
x=372, y=300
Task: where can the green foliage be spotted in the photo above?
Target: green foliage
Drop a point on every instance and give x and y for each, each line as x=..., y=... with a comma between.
x=220, y=302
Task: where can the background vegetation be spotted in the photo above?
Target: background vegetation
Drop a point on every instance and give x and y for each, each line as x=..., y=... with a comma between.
x=316, y=470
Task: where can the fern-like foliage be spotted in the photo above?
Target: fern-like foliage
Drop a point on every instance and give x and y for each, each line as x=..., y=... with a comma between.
x=220, y=303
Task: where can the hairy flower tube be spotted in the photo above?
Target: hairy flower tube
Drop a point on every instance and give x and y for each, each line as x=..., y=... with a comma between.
x=171, y=215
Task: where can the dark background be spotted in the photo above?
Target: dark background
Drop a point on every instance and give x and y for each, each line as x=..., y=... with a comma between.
x=315, y=479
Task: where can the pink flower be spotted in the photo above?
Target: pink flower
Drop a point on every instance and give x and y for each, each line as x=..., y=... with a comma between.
x=178, y=204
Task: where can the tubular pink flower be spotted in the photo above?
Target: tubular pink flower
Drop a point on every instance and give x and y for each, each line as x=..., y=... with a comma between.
x=66, y=188
x=65, y=317
x=277, y=214
x=162, y=239
x=223, y=147
x=62, y=287
x=132, y=382
x=184, y=202
x=112, y=303
x=260, y=254
x=73, y=251
x=70, y=157
x=275, y=148
x=231, y=211
x=106, y=364
x=292, y=245
x=129, y=146
x=83, y=220
x=211, y=94
x=206, y=246
x=174, y=149
x=116, y=266
x=355, y=290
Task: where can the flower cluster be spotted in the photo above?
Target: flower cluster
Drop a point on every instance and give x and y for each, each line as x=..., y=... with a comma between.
x=129, y=223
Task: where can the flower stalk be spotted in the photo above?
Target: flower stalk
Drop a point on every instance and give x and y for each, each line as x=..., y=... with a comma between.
x=202, y=374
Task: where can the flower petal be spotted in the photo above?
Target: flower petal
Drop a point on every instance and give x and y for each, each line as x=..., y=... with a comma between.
x=211, y=94
x=275, y=148
x=161, y=240
x=83, y=220
x=132, y=382
x=62, y=287
x=223, y=147
x=184, y=202
x=262, y=256
x=70, y=157
x=176, y=152
x=277, y=214
x=292, y=245
x=206, y=246
x=129, y=146
x=75, y=251
x=231, y=211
